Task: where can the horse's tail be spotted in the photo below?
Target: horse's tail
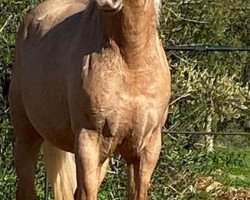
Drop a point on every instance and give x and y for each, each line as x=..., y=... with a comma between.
x=61, y=170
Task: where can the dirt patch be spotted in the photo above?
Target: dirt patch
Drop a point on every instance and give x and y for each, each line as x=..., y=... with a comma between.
x=222, y=193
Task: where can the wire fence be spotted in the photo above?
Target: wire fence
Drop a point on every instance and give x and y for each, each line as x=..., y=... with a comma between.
x=205, y=133
x=205, y=48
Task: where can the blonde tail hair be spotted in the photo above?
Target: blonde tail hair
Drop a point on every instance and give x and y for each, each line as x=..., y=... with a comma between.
x=61, y=170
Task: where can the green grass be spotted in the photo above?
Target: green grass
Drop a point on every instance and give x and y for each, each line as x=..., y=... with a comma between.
x=236, y=174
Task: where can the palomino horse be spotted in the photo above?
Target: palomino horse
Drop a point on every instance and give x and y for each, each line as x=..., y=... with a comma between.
x=90, y=79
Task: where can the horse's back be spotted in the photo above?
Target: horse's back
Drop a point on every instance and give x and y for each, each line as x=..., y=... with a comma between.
x=34, y=32
x=49, y=14
x=54, y=11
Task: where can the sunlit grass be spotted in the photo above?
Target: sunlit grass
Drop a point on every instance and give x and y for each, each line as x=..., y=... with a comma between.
x=236, y=176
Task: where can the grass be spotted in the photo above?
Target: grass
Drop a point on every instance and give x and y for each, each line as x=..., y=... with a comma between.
x=236, y=175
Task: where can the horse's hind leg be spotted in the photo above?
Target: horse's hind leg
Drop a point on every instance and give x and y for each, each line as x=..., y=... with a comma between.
x=140, y=170
x=25, y=162
x=27, y=146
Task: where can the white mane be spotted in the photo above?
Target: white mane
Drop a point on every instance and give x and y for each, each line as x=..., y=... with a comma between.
x=157, y=6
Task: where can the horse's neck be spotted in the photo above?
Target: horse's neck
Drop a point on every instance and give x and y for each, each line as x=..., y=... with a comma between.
x=135, y=31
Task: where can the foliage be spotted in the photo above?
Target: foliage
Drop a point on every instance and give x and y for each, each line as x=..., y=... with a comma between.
x=7, y=175
x=199, y=91
x=211, y=84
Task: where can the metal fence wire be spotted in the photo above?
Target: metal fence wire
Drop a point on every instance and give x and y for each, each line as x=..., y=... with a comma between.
x=204, y=48
x=205, y=133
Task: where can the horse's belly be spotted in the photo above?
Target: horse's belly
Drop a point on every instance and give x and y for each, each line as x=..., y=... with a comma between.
x=53, y=124
x=46, y=106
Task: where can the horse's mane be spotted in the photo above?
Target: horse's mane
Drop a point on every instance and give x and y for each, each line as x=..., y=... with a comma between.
x=157, y=7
